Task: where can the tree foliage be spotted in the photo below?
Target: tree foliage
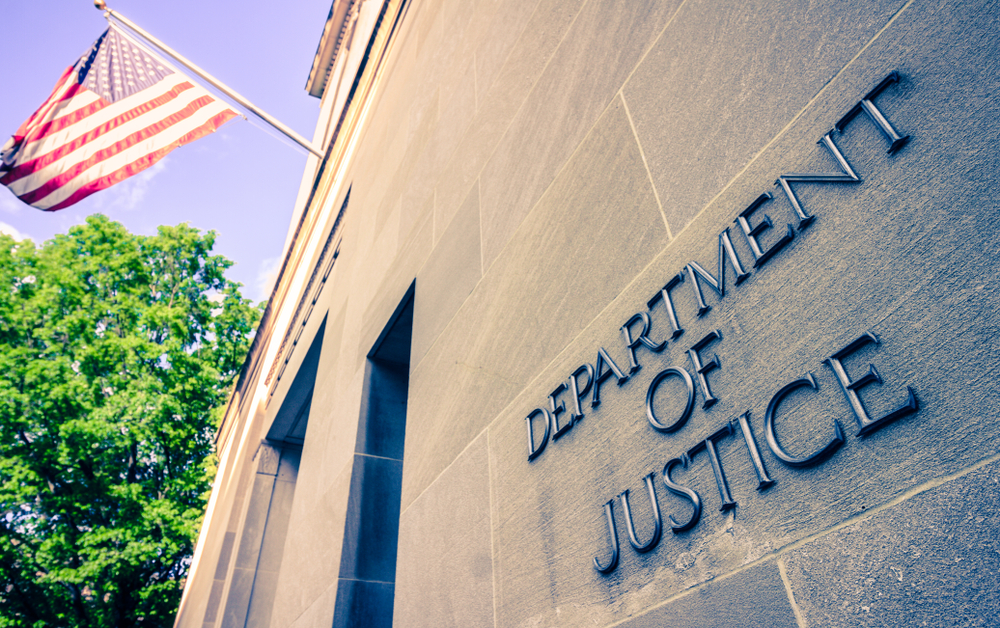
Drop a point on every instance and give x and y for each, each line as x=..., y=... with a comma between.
x=117, y=352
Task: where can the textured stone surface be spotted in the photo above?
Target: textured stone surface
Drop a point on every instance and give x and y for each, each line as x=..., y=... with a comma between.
x=393, y=283
x=382, y=426
x=932, y=560
x=214, y=598
x=337, y=450
x=601, y=48
x=902, y=254
x=251, y=538
x=498, y=31
x=457, y=107
x=273, y=544
x=314, y=549
x=527, y=58
x=363, y=604
x=444, y=537
x=701, y=117
x=754, y=598
x=327, y=447
x=240, y=585
x=561, y=271
x=370, y=529
x=446, y=279
x=262, y=599
x=317, y=615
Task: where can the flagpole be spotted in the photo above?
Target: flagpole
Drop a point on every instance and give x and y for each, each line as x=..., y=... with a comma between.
x=289, y=133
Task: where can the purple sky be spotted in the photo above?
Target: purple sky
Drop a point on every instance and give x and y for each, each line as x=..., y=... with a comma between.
x=239, y=181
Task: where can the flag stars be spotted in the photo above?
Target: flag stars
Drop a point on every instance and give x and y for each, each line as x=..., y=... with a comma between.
x=116, y=72
x=116, y=68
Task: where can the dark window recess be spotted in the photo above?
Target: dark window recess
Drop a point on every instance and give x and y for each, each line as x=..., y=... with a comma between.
x=260, y=549
x=368, y=559
x=289, y=425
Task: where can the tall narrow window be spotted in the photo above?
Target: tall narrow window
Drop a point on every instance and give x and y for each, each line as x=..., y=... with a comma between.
x=368, y=560
x=259, y=551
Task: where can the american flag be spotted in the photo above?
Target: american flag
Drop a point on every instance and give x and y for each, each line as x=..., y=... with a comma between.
x=113, y=114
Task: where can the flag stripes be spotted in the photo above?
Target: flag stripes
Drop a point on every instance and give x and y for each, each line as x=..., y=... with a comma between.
x=107, y=127
x=140, y=164
x=81, y=141
x=61, y=132
x=106, y=157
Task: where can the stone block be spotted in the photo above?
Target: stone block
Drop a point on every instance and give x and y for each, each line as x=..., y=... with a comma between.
x=372, y=520
x=224, y=555
x=604, y=44
x=248, y=549
x=336, y=452
x=363, y=604
x=458, y=108
x=931, y=560
x=262, y=599
x=238, y=599
x=273, y=545
x=316, y=615
x=753, y=598
x=288, y=468
x=313, y=547
x=445, y=537
x=527, y=58
x=563, y=268
x=447, y=277
x=382, y=426
x=214, y=597
x=498, y=31
x=325, y=451
x=393, y=284
x=702, y=117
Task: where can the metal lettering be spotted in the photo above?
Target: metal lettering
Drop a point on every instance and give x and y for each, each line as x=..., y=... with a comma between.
x=664, y=295
x=657, y=521
x=651, y=393
x=578, y=393
x=641, y=339
x=613, y=533
x=601, y=375
x=713, y=455
x=533, y=451
x=556, y=410
x=867, y=105
x=772, y=440
x=763, y=479
x=851, y=387
x=703, y=369
x=847, y=175
x=684, y=492
x=752, y=233
x=695, y=270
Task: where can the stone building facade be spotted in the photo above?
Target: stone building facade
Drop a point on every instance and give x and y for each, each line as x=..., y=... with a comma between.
x=628, y=313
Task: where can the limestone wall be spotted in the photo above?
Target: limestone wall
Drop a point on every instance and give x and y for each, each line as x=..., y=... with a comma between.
x=545, y=171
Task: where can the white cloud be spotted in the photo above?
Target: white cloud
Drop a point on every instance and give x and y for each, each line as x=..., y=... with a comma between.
x=267, y=273
x=129, y=194
x=14, y=233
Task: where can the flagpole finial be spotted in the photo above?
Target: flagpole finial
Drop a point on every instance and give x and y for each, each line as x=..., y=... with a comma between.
x=100, y=5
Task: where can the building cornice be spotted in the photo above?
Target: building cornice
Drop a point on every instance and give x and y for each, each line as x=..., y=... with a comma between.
x=328, y=181
x=342, y=15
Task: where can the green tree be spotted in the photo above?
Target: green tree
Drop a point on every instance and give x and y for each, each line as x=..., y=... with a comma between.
x=117, y=352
